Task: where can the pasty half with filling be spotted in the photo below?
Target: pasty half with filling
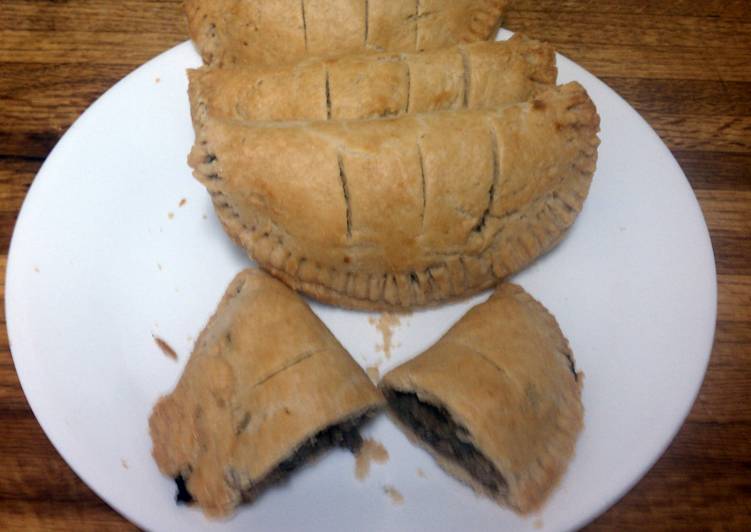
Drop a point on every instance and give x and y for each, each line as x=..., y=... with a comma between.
x=402, y=212
x=471, y=76
x=496, y=401
x=265, y=32
x=267, y=388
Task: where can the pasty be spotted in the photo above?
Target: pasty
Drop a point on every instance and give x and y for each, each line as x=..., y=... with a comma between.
x=496, y=401
x=267, y=388
x=278, y=32
x=406, y=211
x=471, y=76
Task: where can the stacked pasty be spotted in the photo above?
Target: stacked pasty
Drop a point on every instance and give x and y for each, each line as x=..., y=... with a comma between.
x=405, y=211
x=266, y=32
x=472, y=76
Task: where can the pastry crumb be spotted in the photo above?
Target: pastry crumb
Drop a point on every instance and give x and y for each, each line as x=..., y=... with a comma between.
x=205, y=216
x=371, y=451
x=182, y=202
x=170, y=215
x=157, y=80
x=124, y=463
x=538, y=524
x=396, y=498
x=165, y=347
x=421, y=473
x=386, y=325
x=374, y=373
x=36, y=269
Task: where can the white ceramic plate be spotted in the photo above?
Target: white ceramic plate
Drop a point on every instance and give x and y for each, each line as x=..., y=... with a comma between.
x=103, y=257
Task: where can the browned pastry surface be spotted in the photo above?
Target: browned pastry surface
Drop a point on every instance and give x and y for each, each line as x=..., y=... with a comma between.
x=266, y=378
x=261, y=32
x=402, y=212
x=471, y=76
x=503, y=380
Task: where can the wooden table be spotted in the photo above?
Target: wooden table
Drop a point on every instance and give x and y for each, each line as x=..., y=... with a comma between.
x=684, y=65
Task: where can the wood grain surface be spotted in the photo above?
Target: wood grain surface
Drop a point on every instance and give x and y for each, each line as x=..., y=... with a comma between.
x=684, y=65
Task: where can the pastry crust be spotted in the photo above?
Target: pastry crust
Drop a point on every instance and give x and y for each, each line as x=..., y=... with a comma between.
x=265, y=377
x=505, y=373
x=402, y=212
x=471, y=76
x=259, y=32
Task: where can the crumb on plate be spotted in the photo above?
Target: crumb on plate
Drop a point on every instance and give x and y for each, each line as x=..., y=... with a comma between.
x=165, y=347
x=386, y=324
x=371, y=451
x=396, y=497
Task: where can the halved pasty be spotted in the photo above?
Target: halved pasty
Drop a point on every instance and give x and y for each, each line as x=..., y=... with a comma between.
x=496, y=401
x=278, y=32
x=402, y=212
x=472, y=76
x=267, y=388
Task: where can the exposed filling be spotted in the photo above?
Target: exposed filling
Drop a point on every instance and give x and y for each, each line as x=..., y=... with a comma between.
x=345, y=435
x=183, y=495
x=434, y=425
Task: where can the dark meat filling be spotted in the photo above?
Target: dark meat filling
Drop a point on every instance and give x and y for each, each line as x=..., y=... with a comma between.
x=345, y=435
x=183, y=495
x=434, y=426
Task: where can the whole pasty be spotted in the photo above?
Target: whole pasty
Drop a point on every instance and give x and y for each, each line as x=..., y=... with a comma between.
x=264, y=32
x=266, y=388
x=496, y=401
x=402, y=212
x=472, y=76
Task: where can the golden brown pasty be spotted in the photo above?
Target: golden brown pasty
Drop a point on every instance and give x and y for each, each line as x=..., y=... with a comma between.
x=471, y=76
x=278, y=32
x=266, y=388
x=496, y=401
x=402, y=212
